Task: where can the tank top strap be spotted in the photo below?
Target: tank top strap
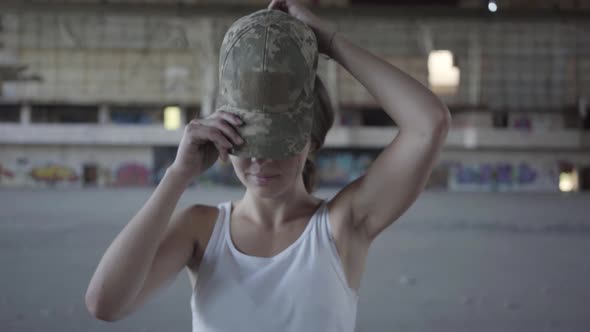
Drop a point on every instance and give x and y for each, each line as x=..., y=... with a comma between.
x=323, y=224
x=328, y=242
x=216, y=241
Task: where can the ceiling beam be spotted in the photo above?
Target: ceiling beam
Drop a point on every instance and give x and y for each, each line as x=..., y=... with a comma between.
x=195, y=10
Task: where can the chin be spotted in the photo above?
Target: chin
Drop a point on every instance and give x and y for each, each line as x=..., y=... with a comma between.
x=267, y=188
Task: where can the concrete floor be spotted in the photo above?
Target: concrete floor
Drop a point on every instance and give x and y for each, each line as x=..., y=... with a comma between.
x=454, y=262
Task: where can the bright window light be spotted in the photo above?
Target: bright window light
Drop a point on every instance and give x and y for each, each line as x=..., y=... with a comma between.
x=443, y=77
x=568, y=181
x=492, y=6
x=172, y=117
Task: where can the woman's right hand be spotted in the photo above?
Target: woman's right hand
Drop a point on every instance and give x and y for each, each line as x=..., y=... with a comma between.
x=324, y=30
x=204, y=140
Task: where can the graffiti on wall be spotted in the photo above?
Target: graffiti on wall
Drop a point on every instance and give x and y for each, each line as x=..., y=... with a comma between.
x=338, y=168
x=334, y=168
x=341, y=167
x=522, y=122
x=219, y=173
x=54, y=173
x=498, y=176
x=31, y=173
x=6, y=172
x=132, y=174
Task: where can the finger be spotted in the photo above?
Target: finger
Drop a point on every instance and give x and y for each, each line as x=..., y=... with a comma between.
x=218, y=149
x=214, y=135
x=272, y=4
x=226, y=128
x=279, y=5
x=219, y=137
x=222, y=151
x=231, y=118
x=229, y=131
x=200, y=131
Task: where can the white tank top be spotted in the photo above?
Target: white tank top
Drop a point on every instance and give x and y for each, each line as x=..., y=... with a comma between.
x=303, y=288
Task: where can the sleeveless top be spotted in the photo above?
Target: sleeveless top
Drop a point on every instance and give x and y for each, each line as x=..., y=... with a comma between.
x=303, y=288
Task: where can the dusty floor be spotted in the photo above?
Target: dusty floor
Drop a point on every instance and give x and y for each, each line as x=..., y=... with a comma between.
x=454, y=262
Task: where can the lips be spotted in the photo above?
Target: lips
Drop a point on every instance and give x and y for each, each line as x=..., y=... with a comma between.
x=264, y=175
x=262, y=179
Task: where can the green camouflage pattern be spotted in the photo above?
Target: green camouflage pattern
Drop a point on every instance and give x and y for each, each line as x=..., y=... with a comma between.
x=268, y=63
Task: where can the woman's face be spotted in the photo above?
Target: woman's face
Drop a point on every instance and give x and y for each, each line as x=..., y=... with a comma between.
x=269, y=177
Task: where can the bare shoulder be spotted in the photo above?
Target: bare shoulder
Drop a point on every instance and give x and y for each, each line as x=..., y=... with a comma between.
x=199, y=221
x=202, y=213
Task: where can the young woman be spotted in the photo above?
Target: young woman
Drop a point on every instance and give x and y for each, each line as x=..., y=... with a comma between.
x=278, y=259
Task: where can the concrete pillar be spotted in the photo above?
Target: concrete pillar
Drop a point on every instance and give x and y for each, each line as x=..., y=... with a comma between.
x=25, y=114
x=474, y=66
x=210, y=90
x=204, y=40
x=104, y=114
x=217, y=29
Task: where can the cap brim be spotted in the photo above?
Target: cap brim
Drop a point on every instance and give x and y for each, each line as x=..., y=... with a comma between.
x=272, y=135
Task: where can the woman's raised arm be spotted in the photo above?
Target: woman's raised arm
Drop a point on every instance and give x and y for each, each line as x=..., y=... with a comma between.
x=396, y=177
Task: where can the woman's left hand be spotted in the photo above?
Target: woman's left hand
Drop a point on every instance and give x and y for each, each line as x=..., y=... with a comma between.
x=323, y=30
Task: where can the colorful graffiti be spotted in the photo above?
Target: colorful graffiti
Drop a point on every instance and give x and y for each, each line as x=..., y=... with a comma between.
x=5, y=172
x=503, y=176
x=54, y=173
x=522, y=122
x=334, y=168
x=338, y=168
x=132, y=174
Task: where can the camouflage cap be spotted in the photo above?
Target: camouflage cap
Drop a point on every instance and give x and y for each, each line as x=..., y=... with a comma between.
x=267, y=69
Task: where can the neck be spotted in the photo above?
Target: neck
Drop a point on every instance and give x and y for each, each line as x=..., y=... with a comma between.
x=275, y=212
